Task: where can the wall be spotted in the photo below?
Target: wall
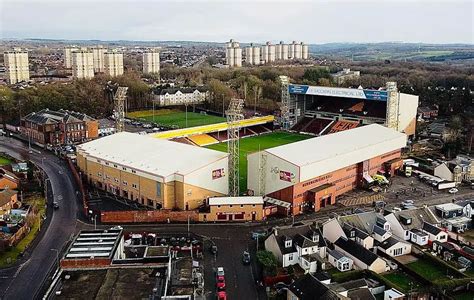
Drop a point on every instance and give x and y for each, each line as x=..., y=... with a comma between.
x=85, y=263
x=151, y=216
x=247, y=210
x=92, y=129
x=408, y=106
x=332, y=230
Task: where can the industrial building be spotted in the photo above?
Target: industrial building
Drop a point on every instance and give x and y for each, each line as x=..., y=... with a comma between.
x=154, y=172
x=268, y=53
x=151, y=61
x=310, y=174
x=233, y=54
x=98, y=55
x=320, y=110
x=82, y=64
x=16, y=66
x=113, y=63
x=68, y=56
x=344, y=75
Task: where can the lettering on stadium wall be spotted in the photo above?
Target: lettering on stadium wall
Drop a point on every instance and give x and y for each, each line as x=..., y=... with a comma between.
x=216, y=174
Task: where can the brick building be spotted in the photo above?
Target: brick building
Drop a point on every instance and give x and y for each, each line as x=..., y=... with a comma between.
x=58, y=127
x=310, y=174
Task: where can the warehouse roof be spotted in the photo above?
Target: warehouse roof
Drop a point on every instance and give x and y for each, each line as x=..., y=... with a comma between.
x=235, y=200
x=155, y=156
x=331, y=152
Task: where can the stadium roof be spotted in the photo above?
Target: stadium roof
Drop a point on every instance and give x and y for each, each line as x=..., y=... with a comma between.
x=328, y=153
x=235, y=200
x=147, y=154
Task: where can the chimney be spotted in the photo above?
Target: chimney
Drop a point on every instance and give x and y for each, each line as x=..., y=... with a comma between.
x=315, y=237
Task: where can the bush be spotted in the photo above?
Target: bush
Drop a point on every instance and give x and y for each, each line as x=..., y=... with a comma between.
x=268, y=260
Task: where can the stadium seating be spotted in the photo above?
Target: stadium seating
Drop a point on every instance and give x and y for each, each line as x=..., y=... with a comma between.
x=341, y=126
x=302, y=123
x=221, y=136
x=203, y=139
x=259, y=129
x=316, y=126
x=183, y=141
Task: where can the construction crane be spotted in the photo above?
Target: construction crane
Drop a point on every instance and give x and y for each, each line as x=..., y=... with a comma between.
x=119, y=108
x=234, y=116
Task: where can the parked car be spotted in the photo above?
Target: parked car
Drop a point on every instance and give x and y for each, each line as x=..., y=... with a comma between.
x=222, y=295
x=213, y=249
x=246, y=258
x=220, y=283
x=220, y=271
x=453, y=191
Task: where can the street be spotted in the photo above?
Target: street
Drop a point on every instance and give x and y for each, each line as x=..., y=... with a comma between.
x=23, y=281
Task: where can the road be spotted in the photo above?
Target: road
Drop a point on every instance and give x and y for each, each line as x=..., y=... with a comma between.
x=23, y=281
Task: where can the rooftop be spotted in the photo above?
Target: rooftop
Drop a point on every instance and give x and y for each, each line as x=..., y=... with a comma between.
x=448, y=206
x=144, y=154
x=356, y=250
x=340, y=149
x=308, y=287
x=235, y=200
x=94, y=244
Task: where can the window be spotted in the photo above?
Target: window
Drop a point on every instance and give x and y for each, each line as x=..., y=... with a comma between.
x=115, y=166
x=158, y=189
x=134, y=185
x=107, y=163
x=397, y=252
x=218, y=206
x=241, y=206
x=116, y=180
x=134, y=172
x=124, y=182
x=123, y=168
x=230, y=205
x=99, y=174
x=253, y=205
x=290, y=256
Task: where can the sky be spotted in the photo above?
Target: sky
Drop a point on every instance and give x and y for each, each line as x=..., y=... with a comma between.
x=314, y=22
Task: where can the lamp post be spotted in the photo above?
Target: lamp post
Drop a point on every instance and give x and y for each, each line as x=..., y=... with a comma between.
x=95, y=219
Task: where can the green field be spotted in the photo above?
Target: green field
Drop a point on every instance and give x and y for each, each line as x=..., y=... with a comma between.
x=253, y=144
x=402, y=281
x=429, y=270
x=176, y=118
x=4, y=161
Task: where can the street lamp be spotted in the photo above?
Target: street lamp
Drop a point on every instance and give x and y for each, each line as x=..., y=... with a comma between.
x=95, y=219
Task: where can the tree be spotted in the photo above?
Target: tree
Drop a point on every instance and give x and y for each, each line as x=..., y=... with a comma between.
x=6, y=104
x=268, y=260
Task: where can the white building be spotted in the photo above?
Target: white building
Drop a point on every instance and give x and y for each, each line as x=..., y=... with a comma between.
x=98, y=54
x=268, y=53
x=345, y=74
x=113, y=63
x=340, y=261
x=68, y=56
x=151, y=61
x=233, y=54
x=394, y=247
x=302, y=245
x=180, y=96
x=16, y=65
x=82, y=64
x=363, y=258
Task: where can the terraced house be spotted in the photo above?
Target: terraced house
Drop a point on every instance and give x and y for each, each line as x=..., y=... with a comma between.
x=49, y=127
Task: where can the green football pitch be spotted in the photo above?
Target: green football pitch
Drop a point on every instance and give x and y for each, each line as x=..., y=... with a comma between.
x=256, y=143
x=178, y=118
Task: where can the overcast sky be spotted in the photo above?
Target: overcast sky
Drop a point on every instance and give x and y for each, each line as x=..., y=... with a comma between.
x=426, y=21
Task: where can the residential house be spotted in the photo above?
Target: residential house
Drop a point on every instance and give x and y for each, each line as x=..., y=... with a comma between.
x=402, y=222
x=58, y=127
x=468, y=208
x=380, y=234
x=393, y=294
x=418, y=237
x=427, y=112
x=362, y=257
x=8, y=199
x=180, y=96
x=302, y=245
x=354, y=289
x=8, y=180
x=434, y=233
x=332, y=230
x=358, y=235
x=449, y=171
x=308, y=287
x=448, y=210
x=339, y=261
x=394, y=247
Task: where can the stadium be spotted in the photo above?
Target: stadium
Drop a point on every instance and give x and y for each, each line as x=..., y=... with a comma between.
x=154, y=172
x=310, y=174
x=322, y=110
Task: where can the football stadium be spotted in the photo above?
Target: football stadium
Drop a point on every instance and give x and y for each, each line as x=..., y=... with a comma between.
x=310, y=174
x=322, y=110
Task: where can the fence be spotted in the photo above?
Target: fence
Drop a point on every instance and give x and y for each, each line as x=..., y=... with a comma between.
x=80, y=184
x=150, y=216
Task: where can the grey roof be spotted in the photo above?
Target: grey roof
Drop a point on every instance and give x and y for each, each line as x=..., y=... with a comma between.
x=431, y=228
x=308, y=287
x=388, y=243
x=358, y=232
x=418, y=217
x=300, y=235
x=184, y=90
x=379, y=230
x=46, y=116
x=336, y=254
x=360, y=294
x=364, y=221
x=356, y=250
x=418, y=232
x=351, y=285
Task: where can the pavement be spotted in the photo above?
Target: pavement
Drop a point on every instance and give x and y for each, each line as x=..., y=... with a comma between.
x=24, y=280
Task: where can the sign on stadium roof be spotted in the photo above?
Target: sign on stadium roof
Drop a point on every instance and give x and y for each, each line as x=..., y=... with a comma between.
x=338, y=92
